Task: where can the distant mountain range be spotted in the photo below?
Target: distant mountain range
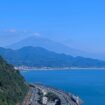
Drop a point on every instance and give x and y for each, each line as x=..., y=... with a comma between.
x=41, y=57
x=53, y=46
x=47, y=44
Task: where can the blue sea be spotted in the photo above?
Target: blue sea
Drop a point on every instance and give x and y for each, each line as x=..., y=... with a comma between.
x=88, y=84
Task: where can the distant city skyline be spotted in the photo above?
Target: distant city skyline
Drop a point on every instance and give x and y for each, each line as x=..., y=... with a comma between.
x=77, y=23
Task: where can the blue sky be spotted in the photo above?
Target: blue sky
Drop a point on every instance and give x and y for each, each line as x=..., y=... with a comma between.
x=76, y=23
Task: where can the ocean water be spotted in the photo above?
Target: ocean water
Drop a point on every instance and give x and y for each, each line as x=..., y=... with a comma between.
x=89, y=85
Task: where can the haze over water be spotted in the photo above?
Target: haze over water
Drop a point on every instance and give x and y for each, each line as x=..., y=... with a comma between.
x=88, y=84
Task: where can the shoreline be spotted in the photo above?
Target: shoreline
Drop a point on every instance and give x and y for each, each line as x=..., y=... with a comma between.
x=59, y=69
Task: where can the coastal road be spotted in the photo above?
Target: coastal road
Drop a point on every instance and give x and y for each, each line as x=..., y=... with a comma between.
x=33, y=97
x=66, y=99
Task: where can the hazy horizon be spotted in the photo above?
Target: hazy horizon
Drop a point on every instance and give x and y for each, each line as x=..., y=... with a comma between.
x=78, y=24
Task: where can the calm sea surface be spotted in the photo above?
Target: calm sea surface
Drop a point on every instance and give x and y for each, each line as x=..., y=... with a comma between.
x=88, y=84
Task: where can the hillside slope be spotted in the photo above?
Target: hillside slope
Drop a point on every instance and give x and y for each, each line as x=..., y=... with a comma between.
x=12, y=85
x=40, y=57
x=46, y=43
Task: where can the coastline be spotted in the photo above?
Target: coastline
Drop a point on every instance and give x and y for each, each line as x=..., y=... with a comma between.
x=64, y=97
x=51, y=69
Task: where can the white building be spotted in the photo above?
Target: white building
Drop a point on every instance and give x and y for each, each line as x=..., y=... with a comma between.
x=44, y=92
x=45, y=100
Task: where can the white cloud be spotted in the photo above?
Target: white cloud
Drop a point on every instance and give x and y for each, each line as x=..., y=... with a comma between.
x=36, y=34
x=9, y=30
x=12, y=30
